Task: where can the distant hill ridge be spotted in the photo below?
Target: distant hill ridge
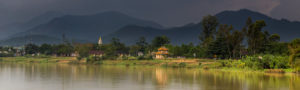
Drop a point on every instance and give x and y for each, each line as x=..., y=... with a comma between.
x=189, y=33
x=11, y=29
x=129, y=29
x=36, y=39
x=87, y=27
x=288, y=30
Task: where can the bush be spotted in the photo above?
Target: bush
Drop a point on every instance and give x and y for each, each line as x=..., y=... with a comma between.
x=233, y=63
x=297, y=70
x=226, y=63
x=200, y=64
x=148, y=57
x=93, y=58
x=131, y=58
x=182, y=64
x=6, y=55
x=205, y=67
x=274, y=71
x=141, y=58
x=266, y=62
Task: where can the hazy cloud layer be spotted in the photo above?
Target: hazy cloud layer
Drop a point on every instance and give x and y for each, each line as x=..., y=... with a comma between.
x=166, y=12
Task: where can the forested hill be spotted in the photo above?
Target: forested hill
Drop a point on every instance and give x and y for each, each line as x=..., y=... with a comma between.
x=128, y=29
x=178, y=35
x=86, y=27
x=36, y=39
x=13, y=28
x=189, y=33
x=288, y=30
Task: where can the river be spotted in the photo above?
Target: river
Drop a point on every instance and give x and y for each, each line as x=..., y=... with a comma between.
x=102, y=77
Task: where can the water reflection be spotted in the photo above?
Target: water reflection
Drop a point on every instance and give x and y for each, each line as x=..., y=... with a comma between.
x=161, y=77
x=95, y=77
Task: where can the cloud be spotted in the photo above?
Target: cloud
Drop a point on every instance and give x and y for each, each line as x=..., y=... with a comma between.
x=288, y=9
x=262, y=6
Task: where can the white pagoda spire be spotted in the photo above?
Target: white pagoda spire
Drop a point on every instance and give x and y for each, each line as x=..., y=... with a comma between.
x=100, y=41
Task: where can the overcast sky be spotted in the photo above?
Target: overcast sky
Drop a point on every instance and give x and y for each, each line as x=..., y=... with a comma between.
x=166, y=12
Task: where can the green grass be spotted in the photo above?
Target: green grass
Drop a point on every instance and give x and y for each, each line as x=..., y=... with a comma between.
x=35, y=59
x=187, y=63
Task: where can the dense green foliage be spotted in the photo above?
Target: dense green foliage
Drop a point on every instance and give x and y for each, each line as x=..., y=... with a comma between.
x=160, y=41
x=266, y=62
x=31, y=49
x=209, y=25
x=294, y=48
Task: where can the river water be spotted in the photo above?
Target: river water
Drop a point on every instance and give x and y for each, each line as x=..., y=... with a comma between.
x=97, y=77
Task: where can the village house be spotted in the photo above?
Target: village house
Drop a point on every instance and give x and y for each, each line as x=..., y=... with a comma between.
x=97, y=53
x=140, y=54
x=75, y=54
x=19, y=51
x=162, y=53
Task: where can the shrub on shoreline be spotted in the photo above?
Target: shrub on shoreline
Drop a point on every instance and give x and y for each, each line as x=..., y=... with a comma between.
x=266, y=62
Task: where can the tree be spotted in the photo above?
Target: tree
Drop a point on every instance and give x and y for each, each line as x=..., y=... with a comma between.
x=248, y=22
x=176, y=51
x=134, y=49
x=274, y=38
x=209, y=25
x=114, y=48
x=236, y=42
x=294, y=48
x=224, y=38
x=120, y=47
x=46, y=49
x=275, y=47
x=83, y=49
x=218, y=47
x=31, y=49
x=64, y=50
x=142, y=44
x=255, y=36
x=160, y=41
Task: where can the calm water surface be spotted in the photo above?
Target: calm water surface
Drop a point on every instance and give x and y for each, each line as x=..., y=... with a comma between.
x=93, y=77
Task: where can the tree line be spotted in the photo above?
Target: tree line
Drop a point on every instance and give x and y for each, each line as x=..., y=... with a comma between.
x=217, y=41
x=226, y=42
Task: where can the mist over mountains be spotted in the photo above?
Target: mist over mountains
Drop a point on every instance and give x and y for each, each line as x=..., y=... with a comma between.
x=88, y=28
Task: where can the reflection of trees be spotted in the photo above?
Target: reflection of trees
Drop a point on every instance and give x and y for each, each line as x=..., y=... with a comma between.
x=294, y=82
x=242, y=80
x=158, y=78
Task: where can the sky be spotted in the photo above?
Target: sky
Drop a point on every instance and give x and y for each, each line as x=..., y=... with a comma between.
x=166, y=12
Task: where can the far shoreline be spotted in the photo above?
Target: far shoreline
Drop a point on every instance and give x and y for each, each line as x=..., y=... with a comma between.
x=201, y=64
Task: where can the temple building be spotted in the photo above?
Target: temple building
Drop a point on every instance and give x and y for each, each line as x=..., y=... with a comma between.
x=98, y=53
x=162, y=53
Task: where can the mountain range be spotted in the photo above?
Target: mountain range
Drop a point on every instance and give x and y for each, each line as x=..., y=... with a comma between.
x=7, y=30
x=190, y=33
x=88, y=28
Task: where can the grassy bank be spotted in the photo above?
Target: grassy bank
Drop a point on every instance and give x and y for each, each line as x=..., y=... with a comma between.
x=224, y=65
x=38, y=59
x=189, y=63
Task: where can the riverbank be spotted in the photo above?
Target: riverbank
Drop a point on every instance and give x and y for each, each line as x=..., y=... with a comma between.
x=73, y=60
x=206, y=64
